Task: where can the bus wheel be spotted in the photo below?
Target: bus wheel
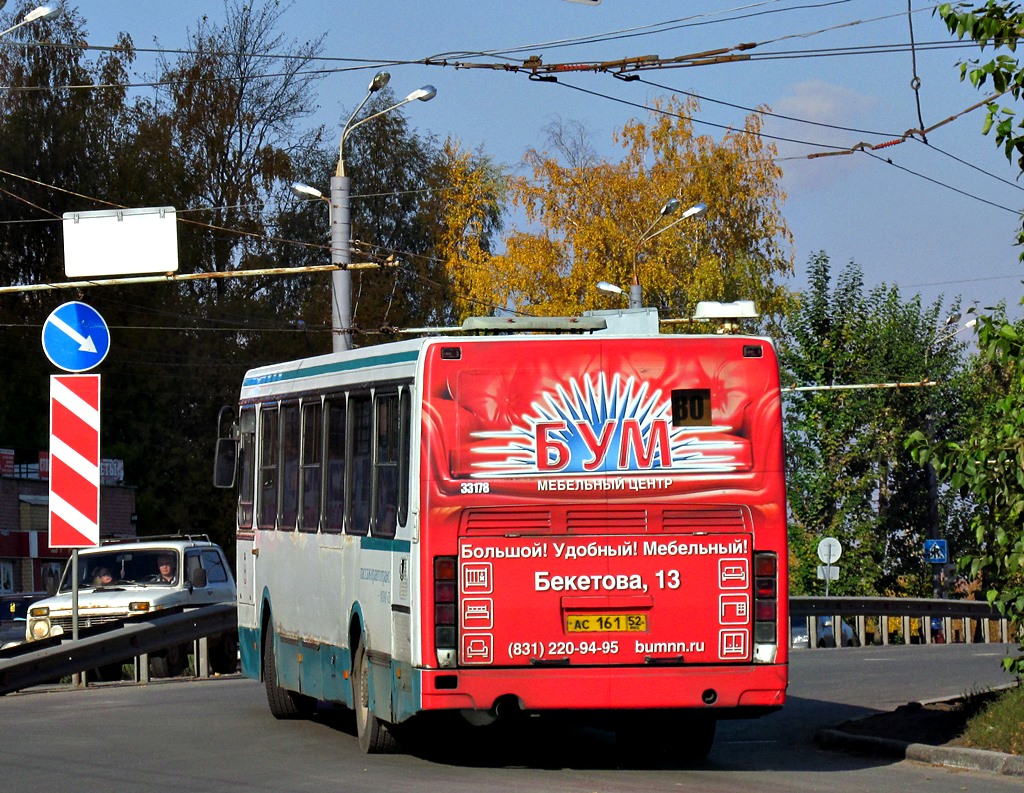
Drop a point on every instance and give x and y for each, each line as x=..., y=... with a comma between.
x=284, y=704
x=698, y=735
x=375, y=736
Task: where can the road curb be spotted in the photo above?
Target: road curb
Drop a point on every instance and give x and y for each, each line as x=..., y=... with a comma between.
x=950, y=756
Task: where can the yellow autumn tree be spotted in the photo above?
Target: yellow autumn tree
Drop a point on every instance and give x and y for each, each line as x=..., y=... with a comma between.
x=590, y=220
x=470, y=190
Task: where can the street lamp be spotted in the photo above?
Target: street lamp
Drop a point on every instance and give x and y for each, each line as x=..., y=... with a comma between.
x=305, y=191
x=604, y=286
x=945, y=333
x=341, y=226
x=40, y=12
x=670, y=207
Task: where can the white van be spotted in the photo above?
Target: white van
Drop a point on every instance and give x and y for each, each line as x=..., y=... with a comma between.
x=127, y=579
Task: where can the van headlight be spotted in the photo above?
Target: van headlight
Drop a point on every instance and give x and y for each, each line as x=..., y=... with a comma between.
x=39, y=628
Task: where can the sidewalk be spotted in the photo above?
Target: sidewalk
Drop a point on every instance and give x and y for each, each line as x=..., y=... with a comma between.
x=882, y=738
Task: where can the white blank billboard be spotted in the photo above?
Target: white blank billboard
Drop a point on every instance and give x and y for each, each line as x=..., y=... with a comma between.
x=120, y=242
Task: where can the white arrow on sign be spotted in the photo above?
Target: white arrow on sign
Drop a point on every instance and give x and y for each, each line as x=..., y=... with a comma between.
x=85, y=343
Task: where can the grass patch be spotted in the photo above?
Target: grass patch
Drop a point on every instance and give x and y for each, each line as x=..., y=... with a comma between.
x=999, y=724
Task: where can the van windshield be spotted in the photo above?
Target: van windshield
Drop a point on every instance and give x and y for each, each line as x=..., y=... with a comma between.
x=154, y=566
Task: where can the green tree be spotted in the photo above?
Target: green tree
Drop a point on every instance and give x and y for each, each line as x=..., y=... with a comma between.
x=56, y=144
x=987, y=466
x=220, y=140
x=848, y=475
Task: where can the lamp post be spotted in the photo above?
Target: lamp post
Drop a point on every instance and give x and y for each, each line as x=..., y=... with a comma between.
x=40, y=12
x=945, y=333
x=670, y=207
x=341, y=227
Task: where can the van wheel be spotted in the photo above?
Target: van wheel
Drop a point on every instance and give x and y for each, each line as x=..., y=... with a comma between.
x=108, y=673
x=170, y=663
x=375, y=736
x=284, y=704
x=224, y=658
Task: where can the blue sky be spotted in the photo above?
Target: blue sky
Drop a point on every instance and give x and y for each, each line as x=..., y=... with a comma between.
x=913, y=215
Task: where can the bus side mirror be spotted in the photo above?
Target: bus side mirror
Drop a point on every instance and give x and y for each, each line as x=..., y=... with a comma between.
x=225, y=463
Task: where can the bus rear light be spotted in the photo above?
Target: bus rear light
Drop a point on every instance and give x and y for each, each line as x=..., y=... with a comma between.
x=444, y=568
x=764, y=587
x=766, y=564
x=444, y=591
x=766, y=577
x=445, y=598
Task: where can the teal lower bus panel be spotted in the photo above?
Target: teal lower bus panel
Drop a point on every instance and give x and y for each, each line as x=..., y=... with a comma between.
x=334, y=684
x=320, y=672
x=249, y=652
x=405, y=699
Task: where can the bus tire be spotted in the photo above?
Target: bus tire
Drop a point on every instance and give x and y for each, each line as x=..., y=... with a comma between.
x=698, y=736
x=682, y=735
x=284, y=704
x=375, y=736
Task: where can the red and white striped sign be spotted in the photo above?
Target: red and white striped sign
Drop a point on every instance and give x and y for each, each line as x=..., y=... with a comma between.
x=74, y=461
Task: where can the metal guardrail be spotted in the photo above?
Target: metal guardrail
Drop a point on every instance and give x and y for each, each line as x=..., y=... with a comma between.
x=974, y=616
x=35, y=663
x=41, y=662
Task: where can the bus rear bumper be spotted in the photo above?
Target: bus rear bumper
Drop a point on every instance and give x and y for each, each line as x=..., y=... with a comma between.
x=755, y=689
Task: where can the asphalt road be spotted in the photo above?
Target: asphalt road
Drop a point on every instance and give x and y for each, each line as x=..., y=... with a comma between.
x=218, y=735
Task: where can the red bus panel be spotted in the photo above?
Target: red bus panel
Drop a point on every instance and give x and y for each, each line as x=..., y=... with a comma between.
x=586, y=601
x=604, y=498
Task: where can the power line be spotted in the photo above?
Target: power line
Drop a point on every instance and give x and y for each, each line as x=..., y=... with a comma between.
x=941, y=184
x=765, y=113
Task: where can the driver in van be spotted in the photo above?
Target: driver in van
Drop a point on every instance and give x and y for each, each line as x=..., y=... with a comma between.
x=167, y=568
x=102, y=577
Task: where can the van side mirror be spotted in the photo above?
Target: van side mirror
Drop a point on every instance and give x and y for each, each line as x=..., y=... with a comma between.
x=197, y=578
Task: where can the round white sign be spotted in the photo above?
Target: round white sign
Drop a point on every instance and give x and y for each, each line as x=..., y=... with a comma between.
x=829, y=550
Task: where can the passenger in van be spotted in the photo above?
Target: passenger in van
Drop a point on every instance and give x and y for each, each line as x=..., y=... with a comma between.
x=102, y=577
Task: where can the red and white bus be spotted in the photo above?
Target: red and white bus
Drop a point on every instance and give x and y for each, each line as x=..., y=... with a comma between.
x=589, y=523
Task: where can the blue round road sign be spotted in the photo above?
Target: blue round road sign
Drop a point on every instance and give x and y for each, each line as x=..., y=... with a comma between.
x=75, y=337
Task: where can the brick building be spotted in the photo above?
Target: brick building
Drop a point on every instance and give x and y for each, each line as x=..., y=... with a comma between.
x=26, y=561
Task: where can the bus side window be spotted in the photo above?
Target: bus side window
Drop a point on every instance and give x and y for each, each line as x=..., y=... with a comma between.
x=289, y=466
x=246, y=462
x=334, y=414
x=310, y=467
x=386, y=466
x=361, y=417
x=404, y=454
x=268, y=467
